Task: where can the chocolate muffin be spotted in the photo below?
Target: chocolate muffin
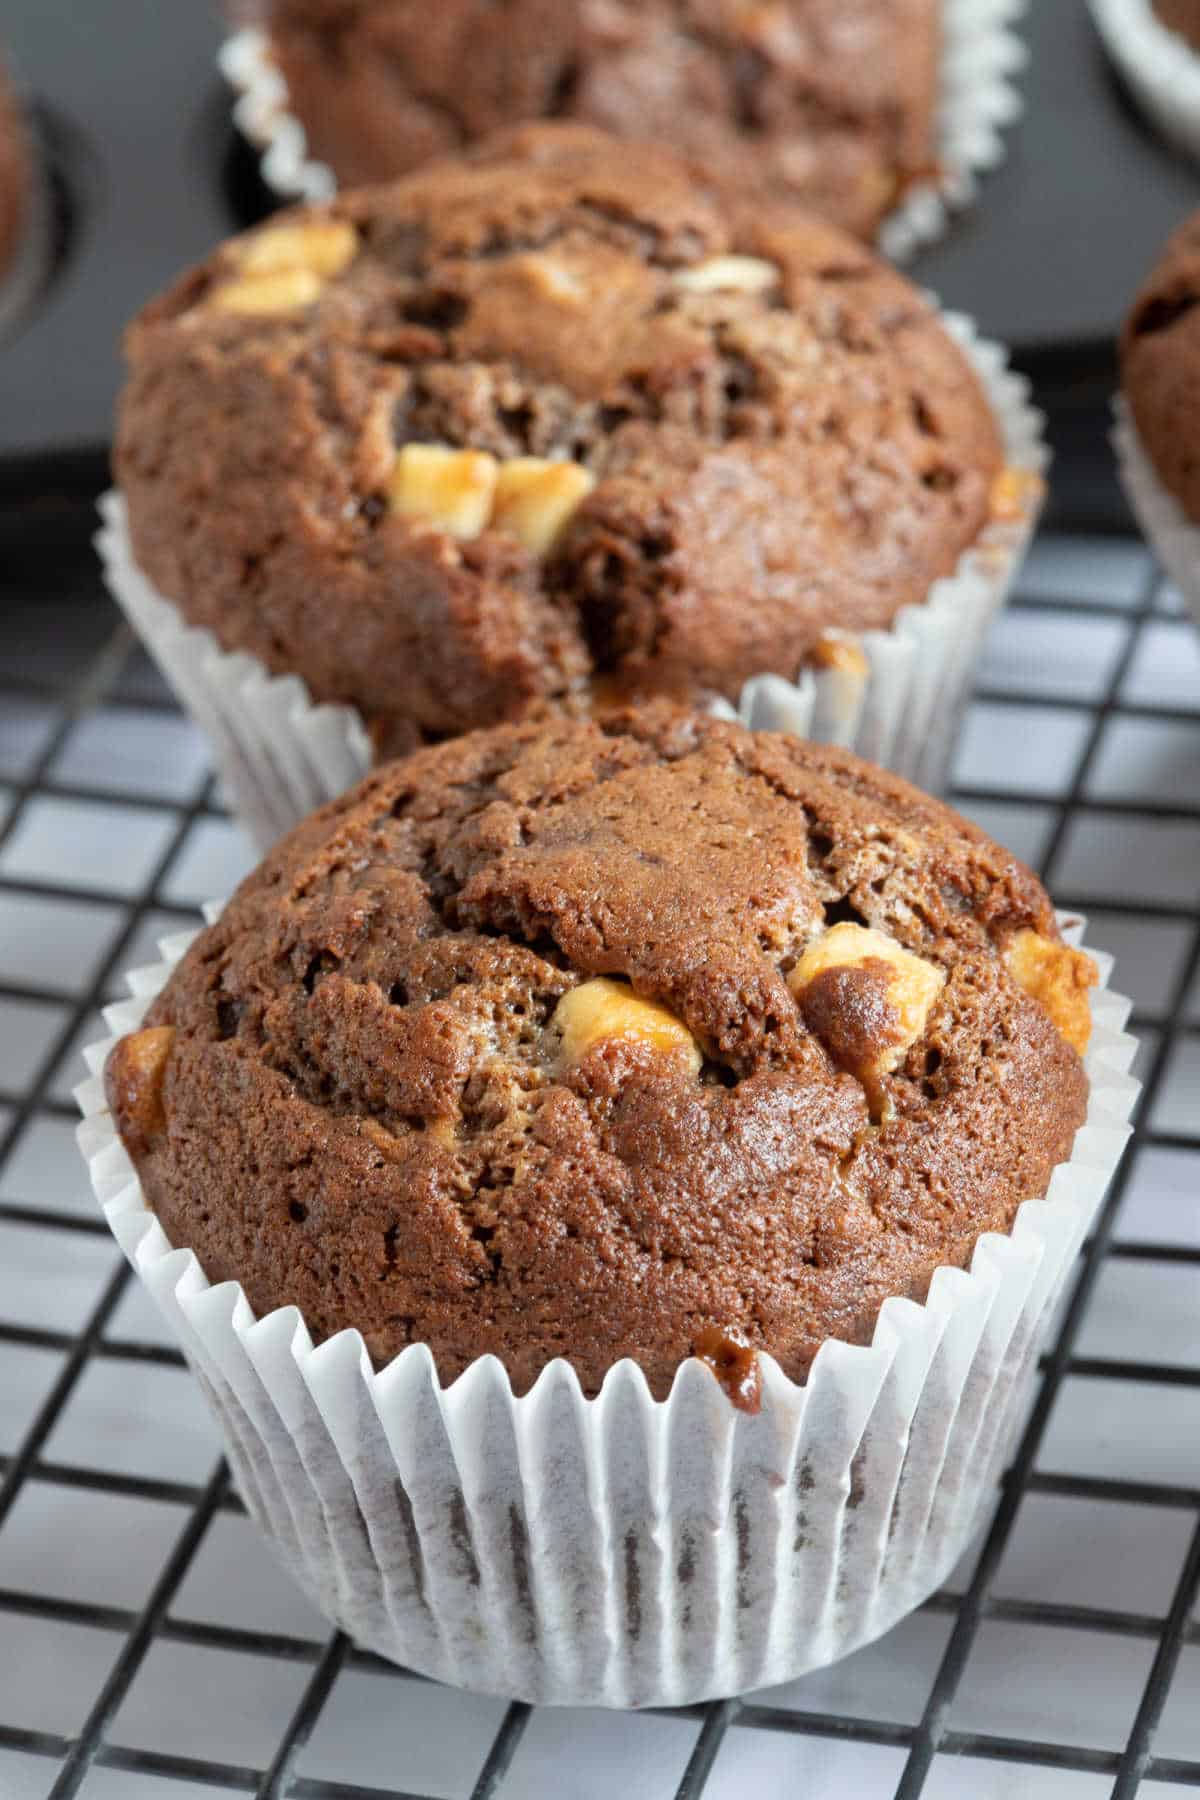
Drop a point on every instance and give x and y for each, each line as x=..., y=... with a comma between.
x=1160, y=366
x=1180, y=16
x=14, y=172
x=542, y=424
x=598, y=1039
x=829, y=102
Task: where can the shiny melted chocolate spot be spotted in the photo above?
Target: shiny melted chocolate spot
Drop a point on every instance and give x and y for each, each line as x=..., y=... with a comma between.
x=735, y=1365
x=848, y=1007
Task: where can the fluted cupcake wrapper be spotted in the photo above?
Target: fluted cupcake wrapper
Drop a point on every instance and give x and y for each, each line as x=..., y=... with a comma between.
x=619, y=1550
x=30, y=267
x=1160, y=67
x=280, y=754
x=1173, y=537
x=978, y=98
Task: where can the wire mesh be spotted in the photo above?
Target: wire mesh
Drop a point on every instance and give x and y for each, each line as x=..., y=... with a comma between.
x=1101, y=798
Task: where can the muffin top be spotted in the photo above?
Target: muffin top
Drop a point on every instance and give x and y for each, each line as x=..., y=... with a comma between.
x=828, y=102
x=1160, y=365
x=635, y=1037
x=459, y=447
x=1181, y=17
x=14, y=171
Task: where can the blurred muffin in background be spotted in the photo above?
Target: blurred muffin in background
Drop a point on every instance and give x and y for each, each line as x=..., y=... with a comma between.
x=1158, y=427
x=15, y=172
x=829, y=102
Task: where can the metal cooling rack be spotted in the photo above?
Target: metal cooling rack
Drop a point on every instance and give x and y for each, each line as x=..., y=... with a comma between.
x=149, y=1650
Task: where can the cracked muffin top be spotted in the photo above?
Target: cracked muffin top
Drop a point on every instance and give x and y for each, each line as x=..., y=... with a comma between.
x=543, y=424
x=831, y=103
x=1160, y=365
x=634, y=1037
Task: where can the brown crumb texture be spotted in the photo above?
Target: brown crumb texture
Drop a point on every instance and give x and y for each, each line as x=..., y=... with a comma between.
x=539, y=421
x=1160, y=365
x=830, y=103
x=380, y=1104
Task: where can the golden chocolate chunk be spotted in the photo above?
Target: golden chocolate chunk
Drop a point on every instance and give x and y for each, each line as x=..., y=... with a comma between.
x=1012, y=493
x=834, y=650
x=450, y=490
x=133, y=1082
x=1059, y=978
x=907, y=985
x=536, y=499
x=728, y=274
x=599, y=1010
x=276, y=291
x=323, y=246
x=552, y=279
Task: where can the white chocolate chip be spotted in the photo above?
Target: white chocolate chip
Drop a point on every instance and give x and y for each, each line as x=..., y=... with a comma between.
x=600, y=1010
x=134, y=1076
x=536, y=499
x=728, y=274
x=553, y=279
x=912, y=984
x=280, y=291
x=449, y=490
x=323, y=246
x=1059, y=978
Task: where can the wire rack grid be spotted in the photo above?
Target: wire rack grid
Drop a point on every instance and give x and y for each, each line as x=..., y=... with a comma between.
x=149, y=1650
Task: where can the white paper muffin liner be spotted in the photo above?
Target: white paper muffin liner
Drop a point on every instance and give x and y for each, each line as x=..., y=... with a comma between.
x=1173, y=537
x=280, y=754
x=1160, y=68
x=982, y=54
x=29, y=269
x=619, y=1550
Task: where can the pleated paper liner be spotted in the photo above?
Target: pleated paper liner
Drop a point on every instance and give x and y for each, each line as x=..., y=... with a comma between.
x=619, y=1550
x=978, y=98
x=1173, y=537
x=1160, y=68
x=280, y=754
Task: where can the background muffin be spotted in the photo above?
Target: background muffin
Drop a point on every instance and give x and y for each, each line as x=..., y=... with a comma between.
x=816, y=100
x=1160, y=366
x=642, y=1039
x=547, y=417
x=14, y=173
x=1158, y=427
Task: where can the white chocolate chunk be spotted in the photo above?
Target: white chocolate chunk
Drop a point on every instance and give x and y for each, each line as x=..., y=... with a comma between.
x=450, y=490
x=279, y=291
x=912, y=984
x=728, y=274
x=553, y=279
x=599, y=1010
x=536, y=499
x=1057, y=976
x=324, y=246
